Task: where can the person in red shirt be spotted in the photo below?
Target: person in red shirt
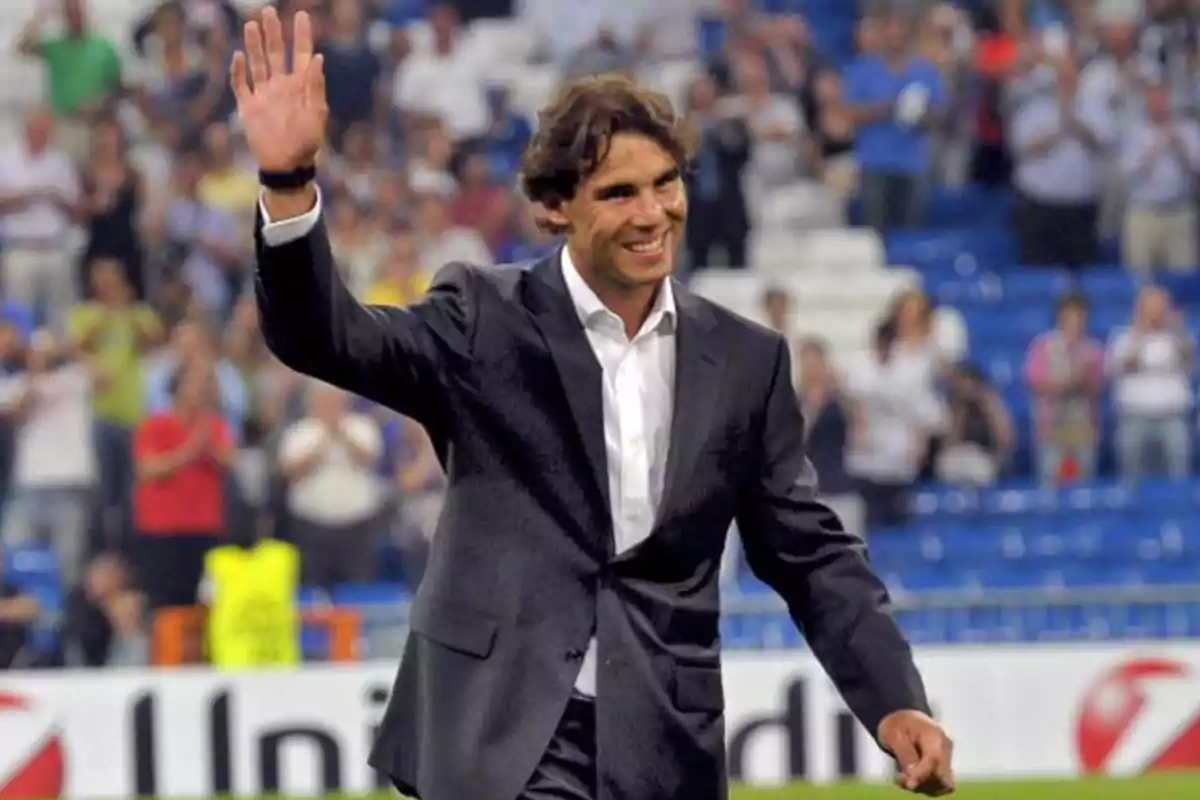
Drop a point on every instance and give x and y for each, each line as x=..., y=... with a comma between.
x=182, y=457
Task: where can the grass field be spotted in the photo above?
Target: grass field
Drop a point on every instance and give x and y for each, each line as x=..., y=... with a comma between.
x=1168, y=786
x=1177, y=786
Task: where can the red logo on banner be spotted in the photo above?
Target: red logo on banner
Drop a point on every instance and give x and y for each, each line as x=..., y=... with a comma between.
x=31, y=760
x=1139, y=716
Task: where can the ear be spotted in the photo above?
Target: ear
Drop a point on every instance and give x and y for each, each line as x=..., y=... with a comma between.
x=555, y=216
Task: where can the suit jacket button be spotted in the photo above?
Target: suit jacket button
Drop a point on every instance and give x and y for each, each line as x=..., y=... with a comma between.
x=574, y=654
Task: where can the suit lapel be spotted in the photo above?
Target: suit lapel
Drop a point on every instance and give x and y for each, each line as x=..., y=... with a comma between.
x=578, y=370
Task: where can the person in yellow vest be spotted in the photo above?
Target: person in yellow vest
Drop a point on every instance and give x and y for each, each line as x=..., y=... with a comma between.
x=250, y=589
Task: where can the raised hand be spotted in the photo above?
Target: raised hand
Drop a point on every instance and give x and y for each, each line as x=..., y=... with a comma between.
x=284, y=113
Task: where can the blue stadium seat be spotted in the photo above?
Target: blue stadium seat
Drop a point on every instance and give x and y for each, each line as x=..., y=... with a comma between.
x=370, y=594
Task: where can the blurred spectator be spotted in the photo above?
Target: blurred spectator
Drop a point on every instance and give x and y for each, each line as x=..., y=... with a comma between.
x=1065, y=371
x=352, y=70
x=894, y=97
x=777, y=311
x=102, y=621
x=182, y=457
x=440, y=241
x=335, y=497
x=507, y=135
x=110, y=333
x=833, y=137
x=527, y=241
x=830, y=424
x=250, y=586
x=168, y=58
x=445, y=82
x=1151, y=362
x=1160, y=158
x=902, y=414
x=39, y=198
x=401, y=280
x=55, y=460
x=422, y=486
x=355, y=170
x=18, y=612
x=201, y=241
x=979, y=433
x=195, y=344
x=83, y=71
x=359, y=243
x=131, y=637
x=945, y=40
x=429, y=162
x=604, y=53
x=564, y=29
x=195, y=19
x=1059, y=139
x=229, y=184
x=482, y=203
x=778, y=143
x=114, y=194
x=208, y=91
x=716, y=201
x=998, y=56
x=1168, y=46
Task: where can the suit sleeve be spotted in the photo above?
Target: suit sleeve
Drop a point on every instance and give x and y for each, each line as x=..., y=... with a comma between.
x=400, y=357
x=798, y=547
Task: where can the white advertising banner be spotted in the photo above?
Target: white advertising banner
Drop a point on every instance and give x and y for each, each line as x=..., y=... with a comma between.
x=1013, y=712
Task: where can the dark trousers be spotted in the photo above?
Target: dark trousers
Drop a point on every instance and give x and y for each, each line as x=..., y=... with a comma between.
x=1050, y=234
x=568, y=769
x=169, y=566
x=114, y=452
x=891, y=200
x=330, y=555
x=717, y=226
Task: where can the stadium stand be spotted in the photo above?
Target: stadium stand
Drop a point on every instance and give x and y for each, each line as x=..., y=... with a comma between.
x=1013, y=560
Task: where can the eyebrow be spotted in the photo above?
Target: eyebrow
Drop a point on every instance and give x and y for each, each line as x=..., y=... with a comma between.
x=614, y=189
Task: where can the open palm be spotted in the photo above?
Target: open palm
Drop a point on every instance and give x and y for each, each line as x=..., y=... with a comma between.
x=284, y=113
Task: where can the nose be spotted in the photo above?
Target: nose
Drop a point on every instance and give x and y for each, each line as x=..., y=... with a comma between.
x=650, y=211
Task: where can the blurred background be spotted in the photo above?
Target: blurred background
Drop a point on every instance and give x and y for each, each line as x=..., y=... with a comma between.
x=976, y=222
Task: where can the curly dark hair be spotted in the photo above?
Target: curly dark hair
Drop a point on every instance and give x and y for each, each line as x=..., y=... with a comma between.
x=574, y=133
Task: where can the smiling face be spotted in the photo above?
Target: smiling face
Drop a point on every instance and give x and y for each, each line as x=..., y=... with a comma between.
x=624, y=222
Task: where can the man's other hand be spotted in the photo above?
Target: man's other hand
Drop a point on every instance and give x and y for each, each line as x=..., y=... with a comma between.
x=922, y=751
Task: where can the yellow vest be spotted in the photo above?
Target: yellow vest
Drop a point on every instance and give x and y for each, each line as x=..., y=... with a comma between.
x=253, y=620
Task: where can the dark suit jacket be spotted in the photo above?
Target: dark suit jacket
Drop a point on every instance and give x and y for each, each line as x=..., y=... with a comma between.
x=495, y=363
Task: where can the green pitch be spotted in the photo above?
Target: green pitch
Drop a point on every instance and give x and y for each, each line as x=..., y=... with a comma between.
x=1169, y=786
x=1176, y=786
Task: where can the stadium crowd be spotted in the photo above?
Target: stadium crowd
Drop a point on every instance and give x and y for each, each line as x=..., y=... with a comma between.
x=144, y=421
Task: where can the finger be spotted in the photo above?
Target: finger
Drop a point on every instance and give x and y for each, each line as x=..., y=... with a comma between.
x=907, y=757
x=256, y=55
x=314, y=82
x=237, y=77
x=920, y=774
x=302, y=42
x=273, y=32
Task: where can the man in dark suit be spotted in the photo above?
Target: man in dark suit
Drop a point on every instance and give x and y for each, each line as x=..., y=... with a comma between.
x=600, y=428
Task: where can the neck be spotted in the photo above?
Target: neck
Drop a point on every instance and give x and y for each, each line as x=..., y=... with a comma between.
x=631, y=303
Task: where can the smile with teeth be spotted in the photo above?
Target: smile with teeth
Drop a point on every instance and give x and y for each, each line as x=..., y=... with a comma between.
x=652, y=246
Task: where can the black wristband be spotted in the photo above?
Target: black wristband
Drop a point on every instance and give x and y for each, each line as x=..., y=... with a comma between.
x=284, y=181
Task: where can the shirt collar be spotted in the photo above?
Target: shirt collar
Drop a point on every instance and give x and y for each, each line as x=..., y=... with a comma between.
x=590, y=308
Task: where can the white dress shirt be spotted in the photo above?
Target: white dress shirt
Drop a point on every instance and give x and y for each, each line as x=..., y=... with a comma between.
x=1070, y=172
x=638, y=401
